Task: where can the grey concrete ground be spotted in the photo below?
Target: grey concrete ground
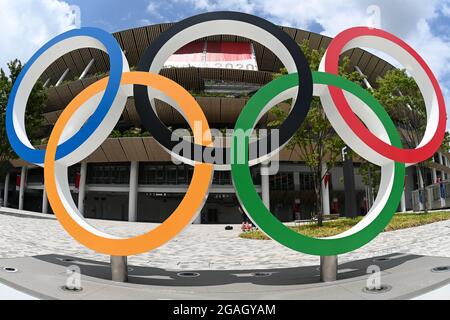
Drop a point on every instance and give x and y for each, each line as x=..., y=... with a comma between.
x=205, y=247
x=224, y=265
x=8, y=293
x=407, y=276
x=442, y=293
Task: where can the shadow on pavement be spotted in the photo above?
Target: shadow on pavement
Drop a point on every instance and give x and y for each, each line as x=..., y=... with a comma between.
x=264, y=277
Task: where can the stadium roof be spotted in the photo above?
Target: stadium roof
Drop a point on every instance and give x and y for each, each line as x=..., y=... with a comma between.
x=135, y=41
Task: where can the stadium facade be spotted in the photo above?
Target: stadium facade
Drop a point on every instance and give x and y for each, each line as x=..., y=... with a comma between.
x=131, y=178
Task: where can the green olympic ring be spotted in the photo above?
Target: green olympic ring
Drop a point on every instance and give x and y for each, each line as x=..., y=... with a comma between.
x=251, y=201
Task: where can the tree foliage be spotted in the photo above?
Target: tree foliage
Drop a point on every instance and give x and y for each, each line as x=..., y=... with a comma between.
x=33, y=114
x=316, y=139
x=400, y=95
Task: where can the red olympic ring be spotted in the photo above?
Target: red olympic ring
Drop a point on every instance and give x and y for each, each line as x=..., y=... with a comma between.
x=421, y=153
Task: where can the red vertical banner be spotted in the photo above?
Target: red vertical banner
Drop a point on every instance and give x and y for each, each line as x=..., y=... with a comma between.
x=18, y=178
x=326, y=179
x=77, y=180
x=335, y=206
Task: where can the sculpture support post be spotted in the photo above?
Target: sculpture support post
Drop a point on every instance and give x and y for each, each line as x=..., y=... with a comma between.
x=328, y=268
x=119, y=269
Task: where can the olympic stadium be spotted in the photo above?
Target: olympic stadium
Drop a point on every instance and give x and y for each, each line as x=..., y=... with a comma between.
x=132, y=178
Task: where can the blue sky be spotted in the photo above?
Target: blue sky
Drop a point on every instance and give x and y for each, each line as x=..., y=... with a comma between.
x=122, y=15
x=425, y=25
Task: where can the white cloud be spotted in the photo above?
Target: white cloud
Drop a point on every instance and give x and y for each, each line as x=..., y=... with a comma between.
x=446, y=9
x=27, y=24
x=152, y=7
x=237, y=5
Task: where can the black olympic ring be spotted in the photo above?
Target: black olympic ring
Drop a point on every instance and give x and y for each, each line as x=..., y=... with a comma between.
x=297, y=115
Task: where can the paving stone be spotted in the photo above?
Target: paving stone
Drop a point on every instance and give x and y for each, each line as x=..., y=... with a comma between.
x=206, y=246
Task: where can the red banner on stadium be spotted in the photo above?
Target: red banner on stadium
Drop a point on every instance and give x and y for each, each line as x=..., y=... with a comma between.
x=214, y=54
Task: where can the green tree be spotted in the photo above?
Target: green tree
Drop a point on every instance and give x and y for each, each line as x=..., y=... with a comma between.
x=316, y=139
x=33, y=114
x=400, y=95
x=371, y=177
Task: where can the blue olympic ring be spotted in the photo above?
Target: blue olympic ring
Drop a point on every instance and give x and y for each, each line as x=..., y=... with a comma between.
x=116, y=62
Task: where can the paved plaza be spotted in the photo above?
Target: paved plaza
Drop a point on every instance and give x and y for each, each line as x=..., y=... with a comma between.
x=203, y=247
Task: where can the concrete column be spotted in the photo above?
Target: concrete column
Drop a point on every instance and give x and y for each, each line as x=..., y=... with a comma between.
x=5, y=195
x=82, y=187
x=366, y=82
x=445, y=164
x=434, y=175
x=421, y=204
x=265, y=185
x=325, y=192
x=441, y=161
x=47, y=83
x=403, y=202
x=86, y=70
x=420, y=180
x=297, y=181
x=132, y=200
x=64, y=75
x=433, y=172
x=44, y=201
x=23, y=179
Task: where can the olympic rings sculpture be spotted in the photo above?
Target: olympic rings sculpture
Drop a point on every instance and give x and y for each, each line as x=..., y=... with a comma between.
x=354, y=113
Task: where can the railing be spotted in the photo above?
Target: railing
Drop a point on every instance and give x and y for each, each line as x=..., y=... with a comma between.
x=438, y=197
